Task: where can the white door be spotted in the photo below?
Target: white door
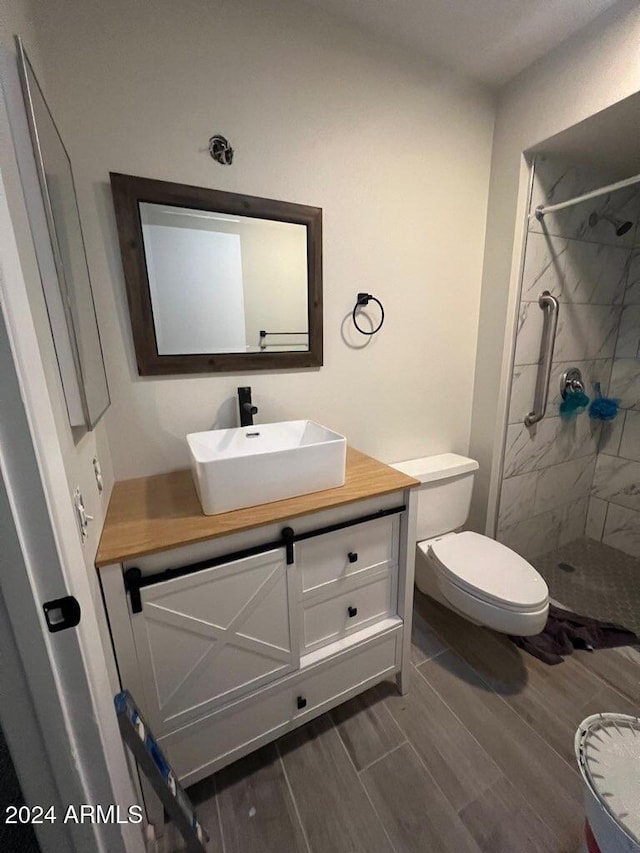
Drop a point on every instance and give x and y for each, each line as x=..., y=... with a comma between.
x=208, y=637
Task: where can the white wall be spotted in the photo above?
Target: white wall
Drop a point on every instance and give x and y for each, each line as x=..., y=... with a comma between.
x=16, y=19
x=79, y=447
x=596, y=68
x=395, y=151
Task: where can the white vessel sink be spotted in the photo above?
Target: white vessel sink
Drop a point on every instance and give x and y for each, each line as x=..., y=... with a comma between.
x=235, y=468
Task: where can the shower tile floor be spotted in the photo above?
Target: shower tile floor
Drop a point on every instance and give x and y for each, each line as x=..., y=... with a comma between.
x=595, y=580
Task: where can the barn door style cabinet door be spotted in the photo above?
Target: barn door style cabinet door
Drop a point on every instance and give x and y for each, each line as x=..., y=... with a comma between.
x=228, y=643
x=209, y=637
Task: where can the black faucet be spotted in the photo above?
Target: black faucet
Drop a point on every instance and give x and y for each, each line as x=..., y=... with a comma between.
x=246, y=408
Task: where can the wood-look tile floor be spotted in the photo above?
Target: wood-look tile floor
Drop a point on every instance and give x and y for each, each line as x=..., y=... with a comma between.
x=478, y=756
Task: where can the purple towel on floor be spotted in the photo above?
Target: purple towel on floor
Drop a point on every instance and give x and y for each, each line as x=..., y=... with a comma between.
x=566, y=631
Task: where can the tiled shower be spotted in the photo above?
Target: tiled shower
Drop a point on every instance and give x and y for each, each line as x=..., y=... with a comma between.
x=563, y=480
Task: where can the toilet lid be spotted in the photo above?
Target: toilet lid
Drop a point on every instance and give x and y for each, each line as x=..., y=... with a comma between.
x=490, y=571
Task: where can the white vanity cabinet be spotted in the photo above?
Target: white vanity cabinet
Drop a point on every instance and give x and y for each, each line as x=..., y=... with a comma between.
x=230, y=642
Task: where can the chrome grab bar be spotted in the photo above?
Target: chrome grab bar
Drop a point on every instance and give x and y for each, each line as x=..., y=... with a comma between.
x=550, y=307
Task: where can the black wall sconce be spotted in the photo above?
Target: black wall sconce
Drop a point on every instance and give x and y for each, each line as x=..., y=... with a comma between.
x=220, y=150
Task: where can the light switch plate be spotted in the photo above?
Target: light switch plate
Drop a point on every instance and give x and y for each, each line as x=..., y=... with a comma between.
x=82, y=515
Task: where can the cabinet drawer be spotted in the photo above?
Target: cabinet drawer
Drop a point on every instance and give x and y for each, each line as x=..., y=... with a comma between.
x=342, y=553
x=328, y=619
x=329, y=681
x=205, y=746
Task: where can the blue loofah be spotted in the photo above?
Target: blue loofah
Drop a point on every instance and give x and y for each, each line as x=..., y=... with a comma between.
x=573, y=404
x=603, y=408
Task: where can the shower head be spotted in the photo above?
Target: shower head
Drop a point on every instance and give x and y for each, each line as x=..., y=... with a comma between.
x=621, y=225
x=623, y=228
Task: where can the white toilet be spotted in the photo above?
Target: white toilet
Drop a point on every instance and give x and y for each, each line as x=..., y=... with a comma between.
x=477, y=577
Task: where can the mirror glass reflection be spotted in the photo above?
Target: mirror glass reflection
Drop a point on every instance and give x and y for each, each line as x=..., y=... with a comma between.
x=225, y=283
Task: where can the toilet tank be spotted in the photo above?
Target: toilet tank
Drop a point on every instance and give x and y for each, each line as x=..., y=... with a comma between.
x=444, y=496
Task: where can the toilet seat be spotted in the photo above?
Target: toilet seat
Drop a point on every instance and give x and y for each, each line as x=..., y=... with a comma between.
x=488, y=571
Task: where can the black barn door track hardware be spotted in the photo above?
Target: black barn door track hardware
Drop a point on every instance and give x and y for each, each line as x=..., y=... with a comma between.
x=134, y=580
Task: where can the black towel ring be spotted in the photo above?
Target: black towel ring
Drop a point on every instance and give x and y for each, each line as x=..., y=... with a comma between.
x=364, y=299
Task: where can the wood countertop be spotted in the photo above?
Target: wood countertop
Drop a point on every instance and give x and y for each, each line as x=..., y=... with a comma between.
x=152, y=514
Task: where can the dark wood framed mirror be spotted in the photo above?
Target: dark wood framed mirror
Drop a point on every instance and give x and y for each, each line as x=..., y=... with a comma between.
x=218, y=281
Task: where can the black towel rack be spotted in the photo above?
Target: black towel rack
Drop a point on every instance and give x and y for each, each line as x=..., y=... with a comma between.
x=263, y=335
x=365, y=299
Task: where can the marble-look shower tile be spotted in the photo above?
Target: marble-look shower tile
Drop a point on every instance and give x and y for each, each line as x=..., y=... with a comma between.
x=517, y=498
x=611, y=435
x=586, y=332
x=617, y=480
x=625, y=382
x=564, y=483
x=543, y=266
x=529, y=333
x=621, y=204
x=549, y=442
x=523, y=386
x=622, y=530
x=595, y=370
x=628, y=344
x=632, y=294
x=595, y=273
x=556, y=181
x=527, y=448
x=630, y=443
x=574, y=521
x=575, y=439
x=596, y=515
x=533, y=536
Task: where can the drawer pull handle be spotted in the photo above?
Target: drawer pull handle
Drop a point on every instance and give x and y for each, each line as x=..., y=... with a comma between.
x=352, y=611
x=302, y=703
x=353, y=557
